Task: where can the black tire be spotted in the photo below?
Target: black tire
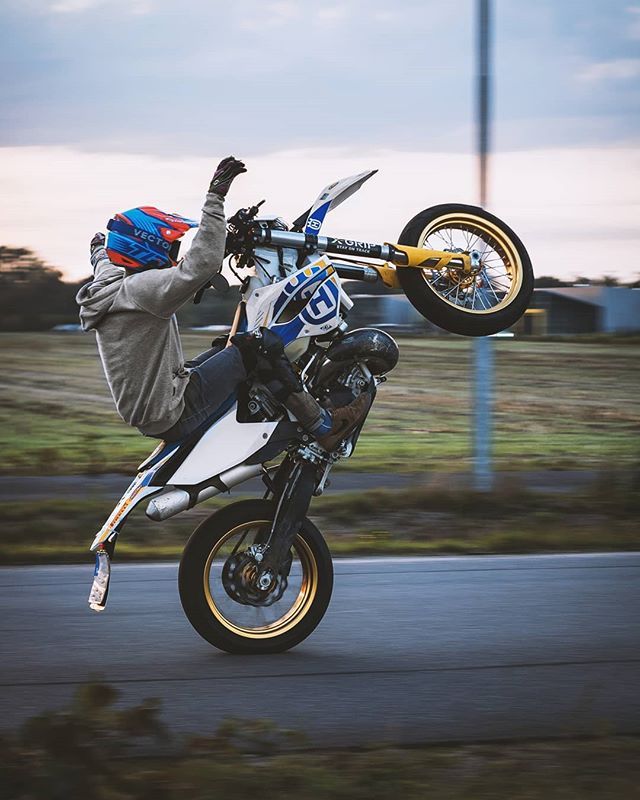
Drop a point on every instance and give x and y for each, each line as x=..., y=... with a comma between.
x=193, y=577
x=445, y=314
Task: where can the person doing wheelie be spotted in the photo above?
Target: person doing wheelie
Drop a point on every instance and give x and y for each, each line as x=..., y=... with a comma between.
x=138, y=285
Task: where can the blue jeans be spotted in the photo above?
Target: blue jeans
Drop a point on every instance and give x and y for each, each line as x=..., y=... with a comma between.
x=215, y=376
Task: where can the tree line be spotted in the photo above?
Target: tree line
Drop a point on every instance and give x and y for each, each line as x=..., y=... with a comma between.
x=34, y=297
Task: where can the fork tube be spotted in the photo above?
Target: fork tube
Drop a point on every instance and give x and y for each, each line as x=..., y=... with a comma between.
x=293, y=505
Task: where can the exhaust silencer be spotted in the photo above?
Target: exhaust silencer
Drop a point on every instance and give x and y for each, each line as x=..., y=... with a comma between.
x=174, y=501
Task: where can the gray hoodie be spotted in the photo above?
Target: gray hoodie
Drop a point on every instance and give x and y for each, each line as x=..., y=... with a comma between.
x=136, y=328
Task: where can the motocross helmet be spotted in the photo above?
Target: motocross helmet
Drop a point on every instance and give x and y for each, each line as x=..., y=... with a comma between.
x=146, y=238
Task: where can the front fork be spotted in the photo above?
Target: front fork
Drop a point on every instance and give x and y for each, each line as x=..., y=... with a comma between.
x=293, y=504
x=304, y=475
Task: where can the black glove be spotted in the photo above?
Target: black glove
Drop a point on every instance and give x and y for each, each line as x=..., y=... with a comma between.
x=262, y=345
x=263, y=353
x=220, y=342
x=247, y=344
x=226, y=171
x=273, y=367
x=270, y=345
x=97, y=241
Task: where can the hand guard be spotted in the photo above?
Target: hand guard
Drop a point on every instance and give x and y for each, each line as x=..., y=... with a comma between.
x=228, y=169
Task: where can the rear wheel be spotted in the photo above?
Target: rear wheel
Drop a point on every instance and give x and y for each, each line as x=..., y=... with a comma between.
x=221, y=598
x=497, y=291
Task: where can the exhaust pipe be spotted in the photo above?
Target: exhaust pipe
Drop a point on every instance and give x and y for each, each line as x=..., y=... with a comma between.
x=174, y=501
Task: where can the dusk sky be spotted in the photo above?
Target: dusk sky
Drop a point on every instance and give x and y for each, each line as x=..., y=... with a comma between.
x=107, y=104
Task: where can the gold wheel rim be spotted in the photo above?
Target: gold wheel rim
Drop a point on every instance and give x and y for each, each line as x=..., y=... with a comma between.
x=502, y=246
x=300, y=606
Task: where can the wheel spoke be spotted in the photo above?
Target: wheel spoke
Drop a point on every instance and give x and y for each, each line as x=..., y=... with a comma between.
x=453, y=288
x=473, y=241
x=484, y=290
x=438, y=233
x=496, y=282
x=492, y=289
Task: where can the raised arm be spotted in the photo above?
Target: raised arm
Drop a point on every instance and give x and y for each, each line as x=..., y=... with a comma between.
x=163, y=291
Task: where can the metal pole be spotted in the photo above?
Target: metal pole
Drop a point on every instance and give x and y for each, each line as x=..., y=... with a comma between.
x=483, y=95
x=483, y=347
x=482, y=414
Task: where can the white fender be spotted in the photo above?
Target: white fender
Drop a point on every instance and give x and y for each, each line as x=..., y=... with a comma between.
x=332, y=196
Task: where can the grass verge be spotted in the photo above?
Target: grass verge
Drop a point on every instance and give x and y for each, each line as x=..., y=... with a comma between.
x=97, y=749
x=420, y=520
x=558, y=404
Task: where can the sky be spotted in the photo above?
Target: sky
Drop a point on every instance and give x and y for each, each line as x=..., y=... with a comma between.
x=108, y=104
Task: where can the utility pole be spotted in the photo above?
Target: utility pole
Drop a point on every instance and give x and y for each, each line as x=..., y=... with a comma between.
x=483, y=346
x=483, y=98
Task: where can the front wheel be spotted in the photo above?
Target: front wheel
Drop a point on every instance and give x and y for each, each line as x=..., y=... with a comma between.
x=218, y=589
x=497, y=291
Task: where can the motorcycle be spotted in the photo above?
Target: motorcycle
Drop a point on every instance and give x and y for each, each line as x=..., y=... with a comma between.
x=256, y=576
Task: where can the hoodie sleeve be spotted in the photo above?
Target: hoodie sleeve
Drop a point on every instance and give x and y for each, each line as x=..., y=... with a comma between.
x=100, y=261
x=162, y=291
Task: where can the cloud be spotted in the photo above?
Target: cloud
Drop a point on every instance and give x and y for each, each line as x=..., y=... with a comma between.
x=617, y=69
x=154, y=76
x=633, y=29
x=74, y=6
x=331, y=15
x=78, y=6
x=575, y=209
x=385, y=16
x=269, y=15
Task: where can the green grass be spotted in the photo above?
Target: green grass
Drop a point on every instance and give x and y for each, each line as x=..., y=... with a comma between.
x=559, y=404
x=420, y=520
x=93, y=748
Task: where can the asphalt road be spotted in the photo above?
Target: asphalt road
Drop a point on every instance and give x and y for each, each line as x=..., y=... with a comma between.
x=411, y=649
x=40, y=487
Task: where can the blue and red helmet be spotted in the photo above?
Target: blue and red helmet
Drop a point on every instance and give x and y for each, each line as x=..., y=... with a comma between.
x=145, y=238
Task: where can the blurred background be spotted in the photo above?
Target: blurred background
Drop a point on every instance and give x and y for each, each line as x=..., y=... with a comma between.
x=110, y=104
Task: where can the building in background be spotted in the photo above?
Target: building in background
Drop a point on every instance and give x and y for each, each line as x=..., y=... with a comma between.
x=581, y=309
x=562, y=310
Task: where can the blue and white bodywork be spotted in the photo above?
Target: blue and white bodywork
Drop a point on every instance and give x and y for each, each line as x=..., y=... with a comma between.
x=305, y=304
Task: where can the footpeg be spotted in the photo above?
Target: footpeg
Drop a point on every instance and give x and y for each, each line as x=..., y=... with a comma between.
x=101, y=576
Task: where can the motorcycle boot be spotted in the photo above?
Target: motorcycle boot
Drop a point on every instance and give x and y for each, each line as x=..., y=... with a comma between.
x=345, y=420
x=263, y=354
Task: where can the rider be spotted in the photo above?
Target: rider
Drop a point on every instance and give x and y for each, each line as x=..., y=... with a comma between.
x=131, y=304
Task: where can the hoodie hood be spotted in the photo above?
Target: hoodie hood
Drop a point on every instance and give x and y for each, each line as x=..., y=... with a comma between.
x=97, y=297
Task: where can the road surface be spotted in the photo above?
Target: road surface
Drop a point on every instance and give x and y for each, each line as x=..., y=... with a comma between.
x=40, y=487
x=411, y=649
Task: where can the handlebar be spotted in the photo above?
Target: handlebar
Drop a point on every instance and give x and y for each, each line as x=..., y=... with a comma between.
x=328, y=244
x=244, y=233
